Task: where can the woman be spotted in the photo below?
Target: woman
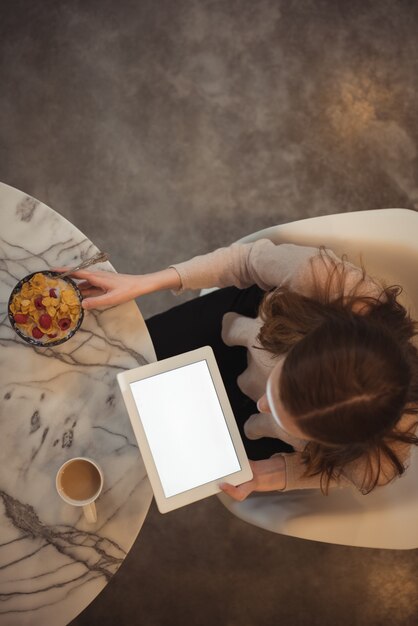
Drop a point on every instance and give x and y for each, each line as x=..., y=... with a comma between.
x=324, y=350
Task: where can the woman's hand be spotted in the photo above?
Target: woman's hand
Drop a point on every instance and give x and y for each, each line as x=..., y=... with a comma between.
x=268, y=475
x=103, y=289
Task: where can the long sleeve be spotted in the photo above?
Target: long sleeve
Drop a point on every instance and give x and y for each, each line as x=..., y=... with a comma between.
x=295, y=478
x=241, y=265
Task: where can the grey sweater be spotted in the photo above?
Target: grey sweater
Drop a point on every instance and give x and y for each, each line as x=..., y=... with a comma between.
x=269, y=265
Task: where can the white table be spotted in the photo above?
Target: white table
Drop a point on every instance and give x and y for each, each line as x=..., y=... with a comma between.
x=57, y=403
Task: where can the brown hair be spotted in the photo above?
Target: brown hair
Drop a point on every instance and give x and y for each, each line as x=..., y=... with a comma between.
x=350, y=373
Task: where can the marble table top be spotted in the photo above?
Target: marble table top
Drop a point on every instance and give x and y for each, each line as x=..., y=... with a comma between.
x=57, y=403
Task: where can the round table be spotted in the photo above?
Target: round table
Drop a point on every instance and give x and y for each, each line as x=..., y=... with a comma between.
x=57, y=403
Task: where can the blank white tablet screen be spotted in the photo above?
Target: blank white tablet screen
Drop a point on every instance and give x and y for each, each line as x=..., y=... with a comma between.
x=185, y=427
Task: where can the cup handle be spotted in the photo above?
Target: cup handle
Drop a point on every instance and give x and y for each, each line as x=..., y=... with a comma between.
x=90, y=512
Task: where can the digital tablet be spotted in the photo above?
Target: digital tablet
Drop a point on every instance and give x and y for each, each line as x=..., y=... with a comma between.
x=185, y=428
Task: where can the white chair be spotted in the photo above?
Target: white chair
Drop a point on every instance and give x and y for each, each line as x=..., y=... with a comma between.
x=386, y=241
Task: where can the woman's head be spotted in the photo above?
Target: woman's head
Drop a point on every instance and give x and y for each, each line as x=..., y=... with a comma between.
x=346, y=378
x=346, y=382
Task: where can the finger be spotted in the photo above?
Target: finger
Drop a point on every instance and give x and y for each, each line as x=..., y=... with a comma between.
x=238, y=493
x=97, y=302
x=84, y=284
x=84, y=273
x=91, y=292
x=95, y=278
x=80, y=274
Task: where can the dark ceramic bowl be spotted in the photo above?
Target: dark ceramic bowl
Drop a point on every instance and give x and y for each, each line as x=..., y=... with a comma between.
x=60, y=339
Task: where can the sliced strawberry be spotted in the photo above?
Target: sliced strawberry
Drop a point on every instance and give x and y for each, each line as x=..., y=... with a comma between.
x=21, y=318
x=38, y=303
x=45, y=321
x=52, y=293
x=64, y=323
x=37, y=333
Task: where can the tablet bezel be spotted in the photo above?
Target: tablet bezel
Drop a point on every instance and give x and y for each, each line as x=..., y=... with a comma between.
x=208, y=489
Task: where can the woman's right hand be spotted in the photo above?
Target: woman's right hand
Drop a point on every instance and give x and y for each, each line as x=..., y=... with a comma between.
x=102, y=289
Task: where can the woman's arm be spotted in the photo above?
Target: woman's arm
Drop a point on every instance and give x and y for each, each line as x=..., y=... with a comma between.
x=268, y=475
x=285, y=472
x=241, y=265
x=261, y=263
x=281, y=472
x=103, y=289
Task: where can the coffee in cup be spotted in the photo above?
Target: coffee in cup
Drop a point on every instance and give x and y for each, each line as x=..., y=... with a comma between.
x=79, y=482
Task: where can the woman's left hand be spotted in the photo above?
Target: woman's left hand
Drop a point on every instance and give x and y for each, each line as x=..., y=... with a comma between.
x=268, y=475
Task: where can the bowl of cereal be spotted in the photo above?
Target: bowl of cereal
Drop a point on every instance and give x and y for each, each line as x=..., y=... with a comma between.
x=45, y=309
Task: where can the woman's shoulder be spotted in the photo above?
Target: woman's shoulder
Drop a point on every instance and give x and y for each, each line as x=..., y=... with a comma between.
x=312, y=271
x=316, y=272
x=330, y=277
x=280, y=264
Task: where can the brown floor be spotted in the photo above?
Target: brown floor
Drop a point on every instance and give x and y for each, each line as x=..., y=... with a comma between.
x=164, y=129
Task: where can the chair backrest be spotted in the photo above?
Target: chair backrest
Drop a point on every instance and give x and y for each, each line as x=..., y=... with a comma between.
x=386, y=242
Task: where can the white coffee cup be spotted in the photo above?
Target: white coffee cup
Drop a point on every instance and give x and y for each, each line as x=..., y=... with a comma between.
x=79, y=482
